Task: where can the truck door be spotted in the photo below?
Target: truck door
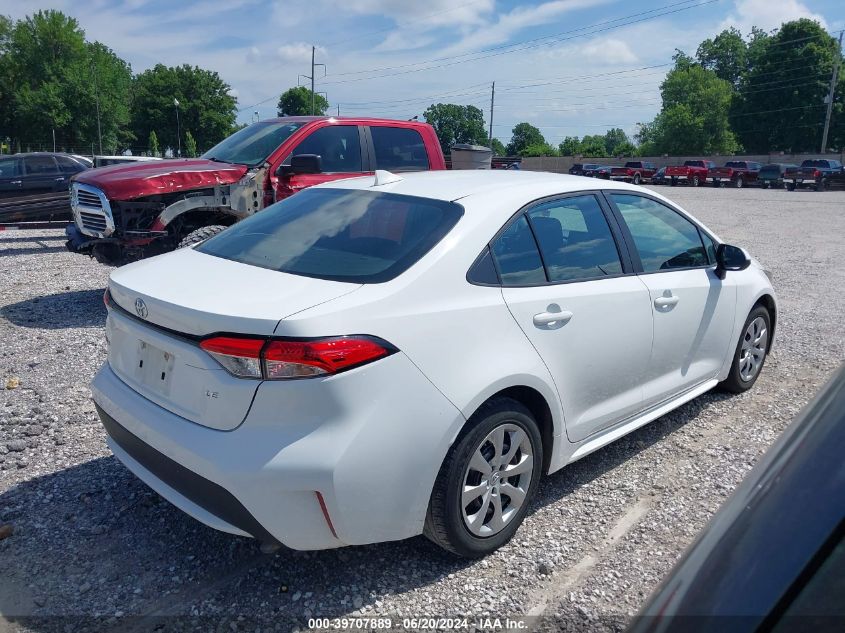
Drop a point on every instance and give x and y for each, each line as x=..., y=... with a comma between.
x=340, y=150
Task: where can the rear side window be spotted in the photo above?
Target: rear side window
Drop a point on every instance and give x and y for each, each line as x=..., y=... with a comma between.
x=35, y=165
x=575, y=239
x=516, y=256
x=399, y=149
x=664, y=239
x=68, y=165
x=8, y=167
x=338, y=147
x=338, y=234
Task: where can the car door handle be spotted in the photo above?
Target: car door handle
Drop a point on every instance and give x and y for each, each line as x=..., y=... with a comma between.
x=62, y=179
x=665, y=302
x=547, y=318
x=15, y=182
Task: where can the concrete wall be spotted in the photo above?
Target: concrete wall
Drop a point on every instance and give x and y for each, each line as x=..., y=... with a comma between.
x=561, y=164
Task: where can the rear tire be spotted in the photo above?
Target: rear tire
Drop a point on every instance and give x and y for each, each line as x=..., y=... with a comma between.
x=695, y=181
x=821, y=185
x=200, y=235
x=636, y=179
x=454, y=520
x=751, y=351
x=739, y=183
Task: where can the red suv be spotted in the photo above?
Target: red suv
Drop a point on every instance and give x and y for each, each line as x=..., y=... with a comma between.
x=126, y=212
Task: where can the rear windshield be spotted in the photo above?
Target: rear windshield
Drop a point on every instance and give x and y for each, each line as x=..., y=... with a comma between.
x=814, y=163
x=735, y=163
x=775, y=169
x=338, y=234
x=252, y=145
x=693, y=163
x=637, y=165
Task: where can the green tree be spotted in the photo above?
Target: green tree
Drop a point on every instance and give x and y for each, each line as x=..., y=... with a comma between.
x=190, y=145
x=152, y=144
x=694, y=116
x=781, y=100
x=524, y=135
x=570, y=146
x=626, y=149
x=205, y=104
x=594, y=146
x=498, y=147
x=538, y=149
x=614, y=139
x=726, y=55
x=103, y=83
x=6, y=97
x=297, y=102
x=456, y=124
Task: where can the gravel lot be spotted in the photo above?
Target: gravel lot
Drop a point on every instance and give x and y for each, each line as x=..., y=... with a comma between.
x=92, y=542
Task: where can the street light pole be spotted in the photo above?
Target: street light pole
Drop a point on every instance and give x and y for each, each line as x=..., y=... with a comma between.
x=178, y=130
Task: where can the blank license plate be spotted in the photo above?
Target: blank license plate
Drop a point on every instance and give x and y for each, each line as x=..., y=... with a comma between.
x=153, y=367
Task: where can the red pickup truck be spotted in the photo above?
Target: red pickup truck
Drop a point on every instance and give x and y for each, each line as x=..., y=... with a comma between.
x=737, y=173
x=634, y=171
x=692, y=172
x=126, y=212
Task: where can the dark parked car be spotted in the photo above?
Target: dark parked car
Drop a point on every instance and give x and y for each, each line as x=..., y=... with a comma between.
x=771, y=175
x=34, y=187
x=659, y=177
x=773, y=557
x=821, y=173
x=599, y=171
x=580, y=169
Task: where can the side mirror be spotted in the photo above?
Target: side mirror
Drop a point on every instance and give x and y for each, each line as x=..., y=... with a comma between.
x=301, y=164
x=730, y=258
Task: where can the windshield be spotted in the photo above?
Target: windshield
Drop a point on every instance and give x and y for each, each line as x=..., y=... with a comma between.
x=814, y=163
x=338, y=234
x=252, y=145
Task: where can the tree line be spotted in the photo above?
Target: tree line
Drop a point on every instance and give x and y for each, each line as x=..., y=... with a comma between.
x=53, y=81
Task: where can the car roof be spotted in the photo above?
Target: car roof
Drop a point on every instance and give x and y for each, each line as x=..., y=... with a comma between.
x=452, y=185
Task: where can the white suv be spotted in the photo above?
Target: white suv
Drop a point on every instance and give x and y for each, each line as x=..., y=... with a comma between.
x=373, y=359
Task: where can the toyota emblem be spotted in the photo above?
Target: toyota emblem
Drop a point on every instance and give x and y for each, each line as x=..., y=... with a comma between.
x=141, y=308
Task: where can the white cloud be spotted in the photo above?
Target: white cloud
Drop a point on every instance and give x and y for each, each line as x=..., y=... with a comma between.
x=604, y=50
x=298, y=52
x=767, y=14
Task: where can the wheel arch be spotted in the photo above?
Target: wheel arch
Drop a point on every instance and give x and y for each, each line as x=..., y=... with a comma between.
x=768, y=302
x=533, y=400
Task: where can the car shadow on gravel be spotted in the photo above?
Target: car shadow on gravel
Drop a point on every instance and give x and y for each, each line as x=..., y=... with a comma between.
x=92, y=540
x=72, y=309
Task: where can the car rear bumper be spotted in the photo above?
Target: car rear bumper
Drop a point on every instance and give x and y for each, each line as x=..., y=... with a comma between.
x=318, y=464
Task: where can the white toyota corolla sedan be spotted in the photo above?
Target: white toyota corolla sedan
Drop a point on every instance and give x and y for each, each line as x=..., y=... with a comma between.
x=388, y=356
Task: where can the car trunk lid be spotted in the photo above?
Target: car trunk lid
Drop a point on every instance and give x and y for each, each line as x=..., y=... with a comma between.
x=163, y=307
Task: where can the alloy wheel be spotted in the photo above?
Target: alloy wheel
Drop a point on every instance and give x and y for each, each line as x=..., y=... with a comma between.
x=497, y=480
x=753, y=350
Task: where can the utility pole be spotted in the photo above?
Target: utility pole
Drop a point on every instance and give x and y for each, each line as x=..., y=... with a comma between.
x=492, y=101
x=311, y=77
x=97, y=103
x=178, y=131
x=834, y=76
x=338, y=109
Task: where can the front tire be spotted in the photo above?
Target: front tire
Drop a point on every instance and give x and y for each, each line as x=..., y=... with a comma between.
x=200, y=235
x=695, y=181
x=487, y=481
x=636, y=179
x=739, y=183
x=751, y=351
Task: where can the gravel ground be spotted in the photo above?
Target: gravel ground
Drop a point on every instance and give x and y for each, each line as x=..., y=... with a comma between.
x=92, y=544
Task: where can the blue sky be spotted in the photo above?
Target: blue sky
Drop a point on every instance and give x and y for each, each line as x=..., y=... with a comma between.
x=571, y=67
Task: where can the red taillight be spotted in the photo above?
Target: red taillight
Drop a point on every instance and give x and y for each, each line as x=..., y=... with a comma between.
x=107, y=298
x=817, y=174
x=281, y=359
x=241, y=357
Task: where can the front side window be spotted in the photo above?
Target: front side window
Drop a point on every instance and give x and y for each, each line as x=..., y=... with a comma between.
x=338, y=147
x=68, y=165
x=399, y=149
x=252, y=145
x=8, y=167
x=36, y=165
x=575, y=239
x=664, y=239
x=338, y=234
x=516, y=256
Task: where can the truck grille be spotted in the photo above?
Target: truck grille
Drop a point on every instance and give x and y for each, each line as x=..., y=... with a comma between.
x=91, y=210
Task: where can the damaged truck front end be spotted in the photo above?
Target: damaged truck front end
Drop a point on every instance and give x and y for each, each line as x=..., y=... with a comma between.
x=118, y=231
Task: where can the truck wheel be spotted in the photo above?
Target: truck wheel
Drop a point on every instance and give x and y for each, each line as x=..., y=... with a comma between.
x=821, y=184
x=636, y=179
x=739, y=183
x=695, y=181
x=200, y=235
x=764, y=185
x=790, y=186
x=674, y=182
